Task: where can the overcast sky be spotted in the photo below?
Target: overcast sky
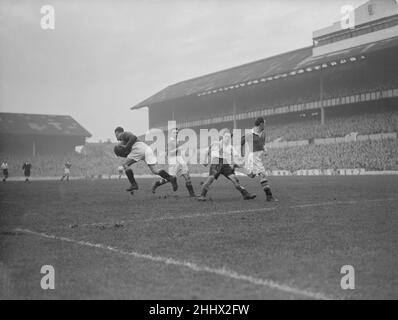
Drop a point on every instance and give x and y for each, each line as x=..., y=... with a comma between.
x=105, y=56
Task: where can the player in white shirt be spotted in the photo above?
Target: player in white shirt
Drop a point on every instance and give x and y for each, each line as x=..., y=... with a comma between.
x=120, y=170
x=177, y=165
x=223, y=160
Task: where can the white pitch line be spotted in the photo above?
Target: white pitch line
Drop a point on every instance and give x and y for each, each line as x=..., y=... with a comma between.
x=192, y=266
x=321, y=204
x=217, y=213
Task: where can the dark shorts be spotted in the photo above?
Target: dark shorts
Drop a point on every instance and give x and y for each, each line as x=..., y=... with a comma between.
x=221, y=169
x=5, y=172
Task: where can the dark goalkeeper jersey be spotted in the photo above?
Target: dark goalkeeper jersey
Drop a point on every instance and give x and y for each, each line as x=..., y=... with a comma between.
x=128, y=139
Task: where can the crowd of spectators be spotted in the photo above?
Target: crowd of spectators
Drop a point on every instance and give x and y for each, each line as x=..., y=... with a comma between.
x=334, y=127
x=370, y=155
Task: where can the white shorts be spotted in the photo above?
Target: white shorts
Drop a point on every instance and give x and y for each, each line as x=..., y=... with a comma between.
x=141, y=151
x=178, y=166
x=66, y=171
x=255, y=163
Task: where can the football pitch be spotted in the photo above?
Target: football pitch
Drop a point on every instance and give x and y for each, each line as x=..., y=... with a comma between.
x=107, y=244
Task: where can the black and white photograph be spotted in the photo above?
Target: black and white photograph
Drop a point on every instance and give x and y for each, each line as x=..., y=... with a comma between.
x=201, y=156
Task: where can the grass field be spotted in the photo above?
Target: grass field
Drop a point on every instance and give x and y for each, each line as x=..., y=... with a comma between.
x=105, y=243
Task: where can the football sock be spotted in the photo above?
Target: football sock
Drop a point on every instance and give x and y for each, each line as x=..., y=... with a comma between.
x=164, y=175
x=160, y=183
x=242, y=190
x=190, y=189
x=268, y=191
x=130, y=176
x=204, y=191
x=266, y=187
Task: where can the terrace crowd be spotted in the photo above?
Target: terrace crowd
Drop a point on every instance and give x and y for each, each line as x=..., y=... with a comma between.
x=386, y=122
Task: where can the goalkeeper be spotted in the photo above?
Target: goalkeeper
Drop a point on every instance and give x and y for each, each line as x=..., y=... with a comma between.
x=134, y=150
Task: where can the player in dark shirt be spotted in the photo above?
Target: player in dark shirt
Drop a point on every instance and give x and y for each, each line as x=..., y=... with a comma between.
x=134, y=150
x=27, y=166
x=254, y=143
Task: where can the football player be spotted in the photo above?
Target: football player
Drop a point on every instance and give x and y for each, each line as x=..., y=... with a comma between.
x=134, y=150
x=222, y=157
x=254, y=142
x=120, y=170
x=177, y=165
x=67, y=167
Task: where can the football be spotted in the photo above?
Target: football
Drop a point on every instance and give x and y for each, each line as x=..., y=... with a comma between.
x=120, y=151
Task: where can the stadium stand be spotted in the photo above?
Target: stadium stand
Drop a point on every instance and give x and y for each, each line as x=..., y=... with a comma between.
x=32, y=134
x=346, y=81
x=291, y=82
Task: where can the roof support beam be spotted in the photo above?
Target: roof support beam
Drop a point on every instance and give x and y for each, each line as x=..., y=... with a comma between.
x=321, y=98
x=234, y=109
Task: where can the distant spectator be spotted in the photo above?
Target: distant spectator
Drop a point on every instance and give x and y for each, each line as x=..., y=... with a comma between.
x=4, y=167
x=27, y=166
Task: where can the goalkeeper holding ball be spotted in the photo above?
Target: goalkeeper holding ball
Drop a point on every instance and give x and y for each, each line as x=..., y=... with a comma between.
x=134, y=150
